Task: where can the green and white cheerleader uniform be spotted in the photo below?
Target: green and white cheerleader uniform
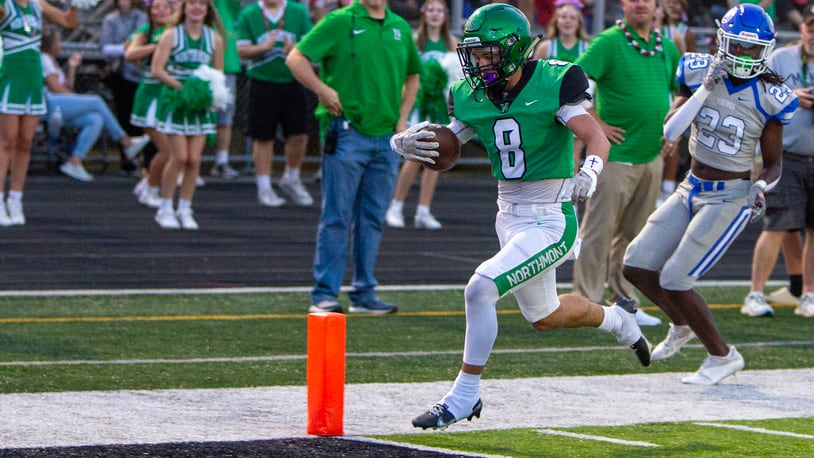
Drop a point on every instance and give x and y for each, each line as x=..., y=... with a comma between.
x=556, y=50
x=145, y=102
x=187, y=55
x=21, y=80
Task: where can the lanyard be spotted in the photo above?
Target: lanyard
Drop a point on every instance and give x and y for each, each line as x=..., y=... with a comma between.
x=26, y=26
x=266, y=19
x=804, y=58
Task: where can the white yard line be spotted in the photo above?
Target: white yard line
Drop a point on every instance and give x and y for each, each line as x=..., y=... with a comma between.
x=756, y=430
x=122, y=417
x=554, y=432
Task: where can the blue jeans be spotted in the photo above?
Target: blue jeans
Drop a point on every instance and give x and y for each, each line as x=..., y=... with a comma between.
x=88, y=113
x=358, y=180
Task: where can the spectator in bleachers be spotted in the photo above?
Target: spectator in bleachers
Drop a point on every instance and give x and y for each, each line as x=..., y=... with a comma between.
x=124, y=76
x=23, y=103
x=140, y=49
x=195, y=39
x=87, y=112
x=266, y=33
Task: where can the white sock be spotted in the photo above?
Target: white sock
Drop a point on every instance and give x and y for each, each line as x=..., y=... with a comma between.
x=422, y=210
x=15, y=196
x=612, y=322
x=2, y=197
x=165, y=204
x=463, y=395
x=184, y=204
x=153, y=190
x=291, y=174
x=222, y=157
x=668, y=185
x=263, y=182
x=396, y=205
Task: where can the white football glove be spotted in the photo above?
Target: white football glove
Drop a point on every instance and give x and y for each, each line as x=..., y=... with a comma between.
x=584, y=185
x=716, y=70
x=756, y=200
x=411, y=143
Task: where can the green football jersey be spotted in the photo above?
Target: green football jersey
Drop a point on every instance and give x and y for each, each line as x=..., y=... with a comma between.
x=522, y=136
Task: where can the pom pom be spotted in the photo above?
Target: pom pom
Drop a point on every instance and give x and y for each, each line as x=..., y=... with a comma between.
x=195, y=97
x=221, y=95
x=432, y=94
x=83, y=4
x=452, y=66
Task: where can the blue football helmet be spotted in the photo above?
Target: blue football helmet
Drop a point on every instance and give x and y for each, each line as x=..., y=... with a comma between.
x=746, y=37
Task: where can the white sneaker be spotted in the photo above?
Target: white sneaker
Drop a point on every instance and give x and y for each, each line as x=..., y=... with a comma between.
x=806, y=306
x=269, y=198
x=149, y=198
x=186, y=219
x=755, y=305
x=716, y=368
x=295, y=190
x=166, y=219
x=394, y=218
x=782, y=296
x=136, y=145
x=4, y=218
x=643, y=319
x=223, y=171
x=140, y=187
x=76, y=171
x=15, y=213
x=426, y=221
x=677, y=336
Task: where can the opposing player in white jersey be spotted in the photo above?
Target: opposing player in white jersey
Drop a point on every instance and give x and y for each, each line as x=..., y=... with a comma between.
x=526, y=113
x=736, y=106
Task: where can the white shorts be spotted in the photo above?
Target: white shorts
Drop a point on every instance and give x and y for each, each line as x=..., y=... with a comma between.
x=534, y=240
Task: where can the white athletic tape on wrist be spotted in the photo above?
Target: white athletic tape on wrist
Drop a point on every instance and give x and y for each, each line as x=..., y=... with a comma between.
x=593, y=164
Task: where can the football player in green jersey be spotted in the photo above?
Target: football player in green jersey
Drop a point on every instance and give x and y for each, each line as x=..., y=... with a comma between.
x=526, y=113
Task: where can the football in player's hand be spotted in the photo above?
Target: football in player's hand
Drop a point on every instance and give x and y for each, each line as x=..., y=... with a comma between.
x=449, y=148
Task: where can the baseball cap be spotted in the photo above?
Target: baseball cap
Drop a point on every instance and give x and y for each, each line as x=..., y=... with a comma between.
x=808, y=13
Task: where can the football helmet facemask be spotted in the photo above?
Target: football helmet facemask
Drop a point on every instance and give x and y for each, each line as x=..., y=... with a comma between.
x=746, y=37
x=496, y=33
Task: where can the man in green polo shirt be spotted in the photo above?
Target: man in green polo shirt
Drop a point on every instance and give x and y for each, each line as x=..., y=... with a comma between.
x=634, y=72
x=369, y=68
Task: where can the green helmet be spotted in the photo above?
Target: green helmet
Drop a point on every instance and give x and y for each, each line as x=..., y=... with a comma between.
x=500, y=30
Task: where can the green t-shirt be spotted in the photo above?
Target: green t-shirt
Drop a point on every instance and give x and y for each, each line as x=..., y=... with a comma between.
x=367, y=62
x=228, y=11
x=523, y=139
x=633, y=91
x=252, y=29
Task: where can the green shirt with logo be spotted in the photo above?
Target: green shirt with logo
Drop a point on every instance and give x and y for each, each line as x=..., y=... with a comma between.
x=367, y=62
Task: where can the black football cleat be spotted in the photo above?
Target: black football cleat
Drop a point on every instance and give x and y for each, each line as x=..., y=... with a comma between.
x=439, y=416
x=630, y=334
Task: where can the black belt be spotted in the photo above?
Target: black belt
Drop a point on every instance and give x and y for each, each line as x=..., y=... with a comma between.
x=797, y=157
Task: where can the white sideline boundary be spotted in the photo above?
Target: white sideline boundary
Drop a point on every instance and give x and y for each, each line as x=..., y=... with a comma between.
x=293, y=289
x=127, y=417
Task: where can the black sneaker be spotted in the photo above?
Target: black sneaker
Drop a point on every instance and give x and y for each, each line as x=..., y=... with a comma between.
x=374, y=307
x=439, y=416
x=630, y=334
